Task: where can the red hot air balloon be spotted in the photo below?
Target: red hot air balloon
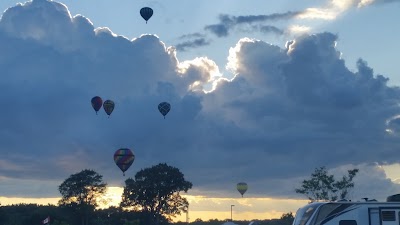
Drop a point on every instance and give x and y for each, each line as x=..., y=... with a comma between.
x=124, y=158
x=97, y=102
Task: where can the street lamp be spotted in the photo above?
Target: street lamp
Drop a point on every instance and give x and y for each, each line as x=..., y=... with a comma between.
x=231, y=212
x=187, y=215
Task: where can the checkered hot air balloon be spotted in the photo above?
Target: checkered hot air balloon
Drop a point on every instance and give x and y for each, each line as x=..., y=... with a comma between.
x=146, y=13
x=124, y=158
x=164, y=108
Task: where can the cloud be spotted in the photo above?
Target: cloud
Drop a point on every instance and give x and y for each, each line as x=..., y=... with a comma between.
x=193, y=40
x=301, y=101
x=363, y=3
x=199, y=42
x=228, y=22
x=331, y=10
x=271, y=29
x=285, y=112
x=30, y=21
x=335, y=8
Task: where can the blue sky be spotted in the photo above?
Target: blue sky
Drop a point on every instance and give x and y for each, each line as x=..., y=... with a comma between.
x=289, y=92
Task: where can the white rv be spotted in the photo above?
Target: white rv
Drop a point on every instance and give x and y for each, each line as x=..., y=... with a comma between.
x=350, y=213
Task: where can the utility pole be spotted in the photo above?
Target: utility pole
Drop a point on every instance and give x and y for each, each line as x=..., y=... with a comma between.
x=187, y=214
x=231, y=212
x=187, y=217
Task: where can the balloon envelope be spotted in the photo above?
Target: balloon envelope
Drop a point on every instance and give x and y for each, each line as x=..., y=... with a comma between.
x=97, y=102
x=108, y=106
x=124, y=158
x=146, y=13
x=164, y=108
x=241, y=187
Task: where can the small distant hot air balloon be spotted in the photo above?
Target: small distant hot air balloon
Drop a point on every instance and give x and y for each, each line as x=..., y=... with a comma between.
x=241, y=187
x=164, y=108
x=97, y=102
x=124, y=158
x=146, y=13
x=108, y=106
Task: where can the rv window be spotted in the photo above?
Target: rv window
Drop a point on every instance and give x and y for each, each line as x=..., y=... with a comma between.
x=329, y=211
x=303, y=215
x=324, y=211
x=388, y=216
x=347, y=222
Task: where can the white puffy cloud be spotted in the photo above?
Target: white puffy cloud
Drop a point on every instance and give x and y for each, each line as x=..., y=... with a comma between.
x=285, y=112
x=334, y=8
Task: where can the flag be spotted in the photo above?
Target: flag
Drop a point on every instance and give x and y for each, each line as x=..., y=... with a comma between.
x=46, y=221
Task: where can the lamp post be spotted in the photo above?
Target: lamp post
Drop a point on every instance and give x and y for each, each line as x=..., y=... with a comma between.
x=187, y=215
x=231, y=212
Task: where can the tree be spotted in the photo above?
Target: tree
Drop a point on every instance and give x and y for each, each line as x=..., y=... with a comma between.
x=287, y=218
x=322, y=186
x=81, y=193
x=155, y=192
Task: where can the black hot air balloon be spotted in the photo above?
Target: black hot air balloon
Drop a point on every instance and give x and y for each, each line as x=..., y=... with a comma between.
x=108, y=106
x=146, y=13
x=97, y=102
x=164, y=108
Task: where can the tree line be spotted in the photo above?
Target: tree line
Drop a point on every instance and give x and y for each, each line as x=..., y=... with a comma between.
x=152, y=197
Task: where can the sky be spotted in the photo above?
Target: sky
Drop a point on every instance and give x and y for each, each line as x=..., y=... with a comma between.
x=261, y=92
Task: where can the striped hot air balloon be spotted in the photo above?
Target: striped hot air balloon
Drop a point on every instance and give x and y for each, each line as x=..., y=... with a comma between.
x=124, y=158
x=241, y=187
x=108, y=106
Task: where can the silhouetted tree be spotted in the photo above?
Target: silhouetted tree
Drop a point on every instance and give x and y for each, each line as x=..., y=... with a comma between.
x=287, y=219
x=322, y=186
x=81, y=193
x=155, y=192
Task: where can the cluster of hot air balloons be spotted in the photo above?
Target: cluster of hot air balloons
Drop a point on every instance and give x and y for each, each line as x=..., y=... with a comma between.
x=124, y=157
x=108, y=105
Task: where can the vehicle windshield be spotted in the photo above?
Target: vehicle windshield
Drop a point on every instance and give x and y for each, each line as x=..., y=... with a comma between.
x=304, y=214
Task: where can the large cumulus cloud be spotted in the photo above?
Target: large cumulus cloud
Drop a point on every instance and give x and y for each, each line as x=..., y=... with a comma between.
x=286, y=111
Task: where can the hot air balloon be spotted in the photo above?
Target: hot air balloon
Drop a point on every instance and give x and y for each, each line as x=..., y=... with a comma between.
x=241, y=187
x=108, y=106
x=146, y=13
x=97, y=102
x=124, y=158
x=164, y=108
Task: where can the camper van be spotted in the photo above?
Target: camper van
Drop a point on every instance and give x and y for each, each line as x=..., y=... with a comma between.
x=343, y=212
